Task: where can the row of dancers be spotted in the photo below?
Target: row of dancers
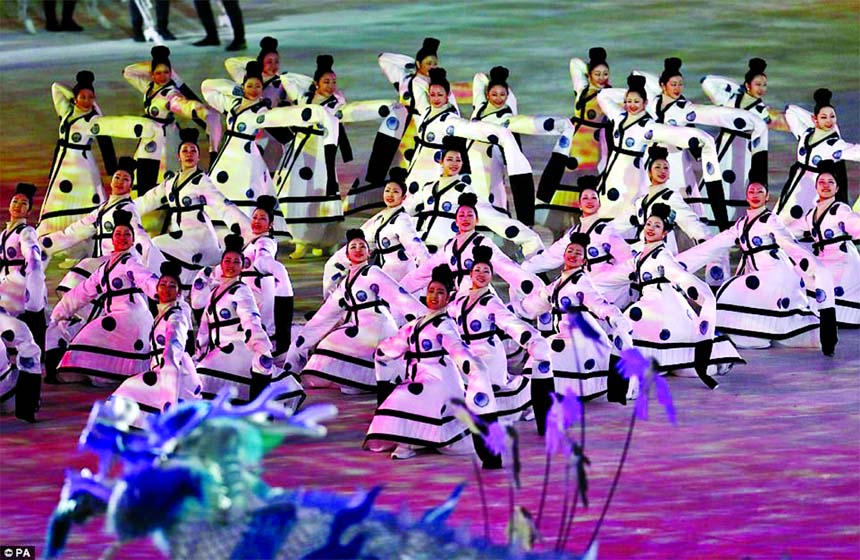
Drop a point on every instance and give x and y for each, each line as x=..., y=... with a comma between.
x=268, y=134
x=434, y=239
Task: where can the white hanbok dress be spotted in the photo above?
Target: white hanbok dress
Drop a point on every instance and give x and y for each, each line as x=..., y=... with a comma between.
x=674, y=313
x=419, y=412
x=22, y=271
x=833, y=228
x=188, y=237
x=581, y=360
x=305, y=180
x=798, y=195
x=735, y=147
x=481, y=320
x=113, y=344
x=607, y=248
x=766, y=301
x=172, y=375
x=233, y=349
x=366, y=307
x=396, y=245
x=625, y=175
x=74, y=181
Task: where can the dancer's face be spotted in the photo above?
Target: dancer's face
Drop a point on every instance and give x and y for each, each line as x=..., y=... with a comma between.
x=659, y=172
x=758, y=86
x=452, y=163
x=825, y=119
x=232, y=264
x=189, y=156
x=481, y=275
x=122, y=238
x=120, y=183
x=633, y=103
x=19, y=207
x=327, y=84
x=260, y=222
x=757, y=195
x=271, y=64
x=497, y=96
x=252, y=89
x=826, y=186
x=392, y=196
x=84, y=99
x=466, y=219
x=655, y=229
x=674, y=87
x=599, y=75
x=160, y=74
x=426, y=64
x=438, y=96
x=437, y=296
x=574, y=256
x=589, y=202
x=167, y=289
x=356, y=251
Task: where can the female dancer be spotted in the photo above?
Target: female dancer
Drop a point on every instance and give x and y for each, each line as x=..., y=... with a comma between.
x=74, y=183
x=818, y=139
x=113, y=344
x=164, y=97
x=481, y=319
x=432, y=205
x=172, y=377
x=582, y=350
x=784, y=314
x=833, y=227
x=233, y=350
x=457, y=254
x=23, y=298
x=740, y=153
x=674, y=318
x=669, y=106
x=396, y=245
x=239, y=171
x=22, y=274
x=92, y=233
x=415, y=410
x=273, y=90
x=441, y=119
x=631, y=131
x=269, y=279
x=607, y=245
x=660, y=190
x=411, y=79
x=494, y=102
x=191, y=200
x=366, y=307
x=587, y=149
x=306, y=178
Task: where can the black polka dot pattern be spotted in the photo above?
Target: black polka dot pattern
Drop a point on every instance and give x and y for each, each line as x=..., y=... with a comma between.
x=306, y=173
x=109, y=324
x=752, y=282
x=65, y=186
x=557, y=345
x=150, y=378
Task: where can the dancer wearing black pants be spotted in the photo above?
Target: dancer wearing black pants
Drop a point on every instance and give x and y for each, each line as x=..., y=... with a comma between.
x=234, y=12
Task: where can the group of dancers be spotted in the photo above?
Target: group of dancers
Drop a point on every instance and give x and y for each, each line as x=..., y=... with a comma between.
x=178, y=292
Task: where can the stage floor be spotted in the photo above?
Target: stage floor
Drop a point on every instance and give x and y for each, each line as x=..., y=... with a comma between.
x=766, y=466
